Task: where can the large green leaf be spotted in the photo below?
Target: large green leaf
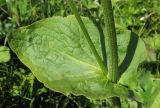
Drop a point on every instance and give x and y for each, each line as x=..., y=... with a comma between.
x=59, y=56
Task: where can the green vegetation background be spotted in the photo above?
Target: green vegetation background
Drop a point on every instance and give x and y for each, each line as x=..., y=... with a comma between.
x=20, y=89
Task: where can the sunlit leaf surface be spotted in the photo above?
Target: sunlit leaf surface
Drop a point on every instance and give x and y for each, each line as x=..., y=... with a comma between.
x=57, y=53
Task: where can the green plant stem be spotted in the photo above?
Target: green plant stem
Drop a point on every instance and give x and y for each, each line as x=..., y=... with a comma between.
x=86, y=34
x=112, y=51
x=110, y=34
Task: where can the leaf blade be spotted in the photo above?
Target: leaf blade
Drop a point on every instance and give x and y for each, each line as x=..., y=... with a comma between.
x=60, y=58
